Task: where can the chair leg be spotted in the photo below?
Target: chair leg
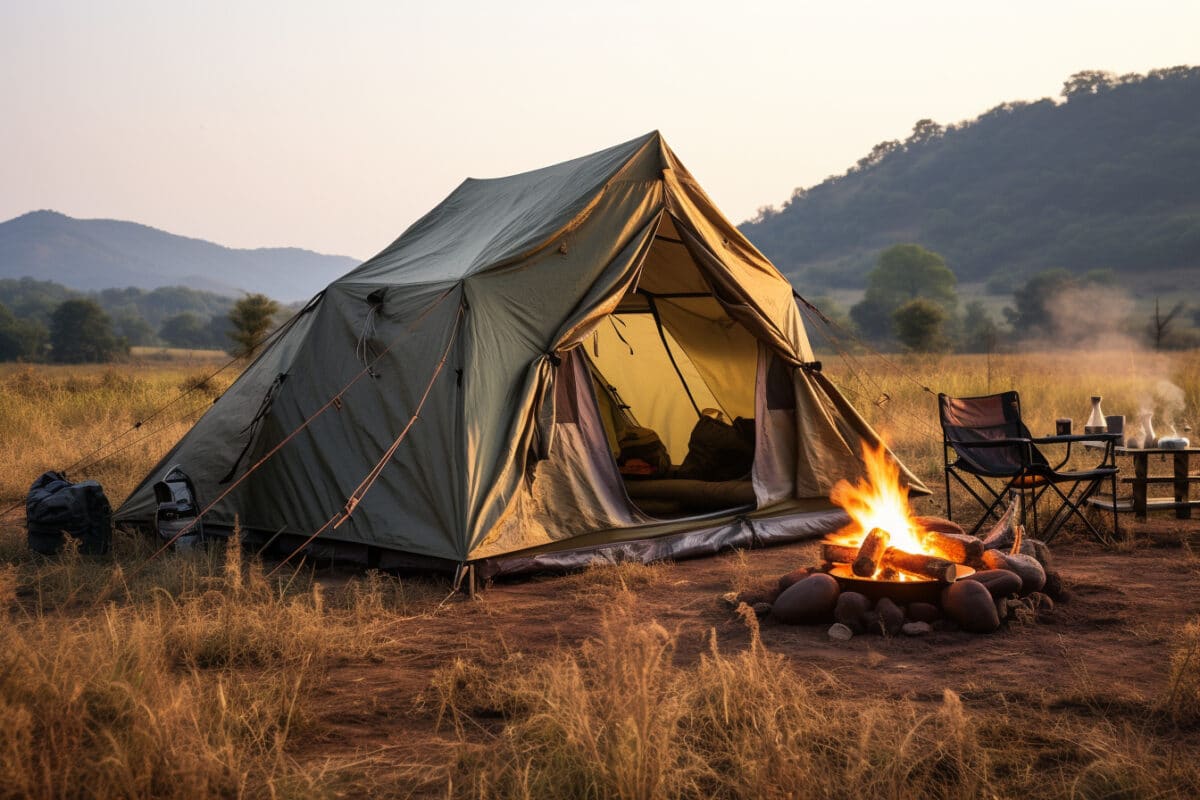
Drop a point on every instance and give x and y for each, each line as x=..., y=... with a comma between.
x=946, y=475
x=1116, y=516
x=1070, y=506
x=989, y=507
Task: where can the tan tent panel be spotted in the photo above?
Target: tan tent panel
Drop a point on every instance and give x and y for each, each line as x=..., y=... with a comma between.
x=512, y=308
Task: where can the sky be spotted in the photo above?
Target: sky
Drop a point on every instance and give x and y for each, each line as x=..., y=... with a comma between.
x=334, y=126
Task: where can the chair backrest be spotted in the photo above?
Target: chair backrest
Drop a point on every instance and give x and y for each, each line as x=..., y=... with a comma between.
x=978, y=419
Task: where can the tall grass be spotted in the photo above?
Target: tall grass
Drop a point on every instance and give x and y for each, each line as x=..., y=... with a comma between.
x=622, y=717
x=192, y=680
x=53, y=416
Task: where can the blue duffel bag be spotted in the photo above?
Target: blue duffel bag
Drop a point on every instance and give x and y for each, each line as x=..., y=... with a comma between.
x=56, y=507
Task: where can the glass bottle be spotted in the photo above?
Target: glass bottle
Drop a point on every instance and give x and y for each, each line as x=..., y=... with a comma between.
x=1096, y=423
x=1149, y=439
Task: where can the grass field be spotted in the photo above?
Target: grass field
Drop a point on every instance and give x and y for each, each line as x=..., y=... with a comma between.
x=197, y=676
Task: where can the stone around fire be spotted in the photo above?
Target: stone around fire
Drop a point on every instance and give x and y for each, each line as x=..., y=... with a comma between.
x=807, y=601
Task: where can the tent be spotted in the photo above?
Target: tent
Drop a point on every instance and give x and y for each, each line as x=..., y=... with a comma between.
x=456, y=399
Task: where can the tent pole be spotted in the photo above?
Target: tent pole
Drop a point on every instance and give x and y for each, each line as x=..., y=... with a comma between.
x=663, y=335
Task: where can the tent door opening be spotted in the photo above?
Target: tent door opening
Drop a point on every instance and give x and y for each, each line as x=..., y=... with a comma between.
x=674, y=378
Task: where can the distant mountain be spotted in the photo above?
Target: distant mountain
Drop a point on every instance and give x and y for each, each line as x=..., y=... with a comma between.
x=1109, y=177
x=92, y=254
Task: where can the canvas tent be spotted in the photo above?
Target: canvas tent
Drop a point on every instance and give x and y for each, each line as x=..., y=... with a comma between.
x=520, y=315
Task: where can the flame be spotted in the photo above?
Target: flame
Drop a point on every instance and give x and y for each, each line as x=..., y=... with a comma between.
x=878, y=501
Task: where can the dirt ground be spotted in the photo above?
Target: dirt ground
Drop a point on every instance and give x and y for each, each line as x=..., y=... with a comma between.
x=1102, y=652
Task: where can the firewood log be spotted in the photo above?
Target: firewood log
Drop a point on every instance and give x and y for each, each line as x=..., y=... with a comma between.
x=961, y=549
x=838, y=553
x=870, y=553
x=926, y=566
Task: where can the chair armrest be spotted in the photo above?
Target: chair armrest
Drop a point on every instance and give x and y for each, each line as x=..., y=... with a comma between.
x=991, y=443
x=1077, y=437
x=1097, y=441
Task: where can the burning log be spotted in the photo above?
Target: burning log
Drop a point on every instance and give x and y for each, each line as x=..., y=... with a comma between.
x=960, y=549
x=870, y=553
x=939, y=569
x=838, y=553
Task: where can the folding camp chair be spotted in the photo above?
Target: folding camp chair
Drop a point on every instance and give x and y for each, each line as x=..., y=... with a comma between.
x=988, y=450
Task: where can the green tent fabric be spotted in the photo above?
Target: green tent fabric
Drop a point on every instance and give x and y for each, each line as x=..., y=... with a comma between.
x=614, y=264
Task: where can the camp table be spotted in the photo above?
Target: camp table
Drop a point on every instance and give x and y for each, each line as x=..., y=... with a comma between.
x=1180, y=478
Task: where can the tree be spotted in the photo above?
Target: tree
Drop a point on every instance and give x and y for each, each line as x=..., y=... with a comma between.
x=919, y=325
x=1089, y=81
x=980, y=334
x=130, y=326
x=1160, y=326
x=251, y=318
x=905, y=272
x=1030, y=314
x=924, y=130
x=185, y=330
x=80, y=332
x=20, y=338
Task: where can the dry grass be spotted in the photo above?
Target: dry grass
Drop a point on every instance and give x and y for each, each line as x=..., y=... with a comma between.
x=619, y=717
x=197, y=676
x=62, y=414
x=192, y=680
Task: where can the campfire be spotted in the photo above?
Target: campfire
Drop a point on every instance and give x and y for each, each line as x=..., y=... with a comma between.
x=890, y=571
x=885, y=541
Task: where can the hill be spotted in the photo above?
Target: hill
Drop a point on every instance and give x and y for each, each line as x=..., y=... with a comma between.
x=1106, y=177
x=94, y=254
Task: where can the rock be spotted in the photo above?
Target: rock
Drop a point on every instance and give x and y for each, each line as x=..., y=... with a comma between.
x=999, y=582
x=1041, y=603
x=798, y=574
x=850, y=609
x=941, y=525
x=916, y=628
x=1009, y=607
x=1033, y=576
x=765, y=592
x=924, y=612
x=970, y=605
x=870, y=622
x=807, y=601
x=1041, y=551
x=1054, y=585
x=840, y=633
x=891, y=617
x=730, y=599
x=761, y=609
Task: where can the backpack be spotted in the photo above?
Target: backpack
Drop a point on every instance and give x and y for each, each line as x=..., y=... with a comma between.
x=643, y=444
x=177, y=511
x=719, y=451
x=56, y=506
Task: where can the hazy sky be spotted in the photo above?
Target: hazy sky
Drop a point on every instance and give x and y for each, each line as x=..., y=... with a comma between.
x=333, y=126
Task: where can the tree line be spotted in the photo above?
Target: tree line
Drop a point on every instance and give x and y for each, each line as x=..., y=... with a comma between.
x=44, y=321
x=1106, y=175
x=912, y=302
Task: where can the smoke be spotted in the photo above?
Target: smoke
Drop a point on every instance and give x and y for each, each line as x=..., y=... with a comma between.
x=1169, y=400
x=1090, y=316
x=1101, y=325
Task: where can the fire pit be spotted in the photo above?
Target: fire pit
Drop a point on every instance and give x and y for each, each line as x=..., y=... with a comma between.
x=891, y=571
x=902, y=589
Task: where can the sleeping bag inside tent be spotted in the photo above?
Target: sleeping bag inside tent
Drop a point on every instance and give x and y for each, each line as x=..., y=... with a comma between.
x=586, y=361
